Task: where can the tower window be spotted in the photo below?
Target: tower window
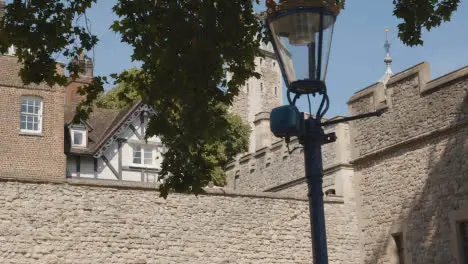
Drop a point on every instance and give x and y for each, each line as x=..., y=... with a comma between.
x=236, y=180
x=261, y=87
x=247, y=88
x=261, y=61
x=398, y=238
x=276, y=92
x=464, y=240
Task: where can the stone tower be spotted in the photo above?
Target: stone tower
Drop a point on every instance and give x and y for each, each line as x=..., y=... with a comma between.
x=258, y=96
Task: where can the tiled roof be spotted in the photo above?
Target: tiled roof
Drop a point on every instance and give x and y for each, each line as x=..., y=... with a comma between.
x=121, y=116
x=102, y=124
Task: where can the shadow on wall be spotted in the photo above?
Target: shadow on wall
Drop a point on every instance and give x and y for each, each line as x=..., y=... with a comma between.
x=439, y=186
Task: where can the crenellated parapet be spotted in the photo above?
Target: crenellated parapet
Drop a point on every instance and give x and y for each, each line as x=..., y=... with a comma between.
x=410, y=165
x=413, y=104
x=272, y=168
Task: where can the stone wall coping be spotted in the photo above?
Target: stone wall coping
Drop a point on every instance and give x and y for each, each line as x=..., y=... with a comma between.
x=425, y=82
x=126, y=185
x=260, y=152
x=231, y=165
x=277, y=144
x=262, y=116
x=369, y=90
x=326, y=171
x=245, y=158
x=422, y=69
x=208, y=191
x=444, y=79
x=408, y=142
x=336, y=167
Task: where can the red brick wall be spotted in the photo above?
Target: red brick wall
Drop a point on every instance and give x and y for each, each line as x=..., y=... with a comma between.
x=72, y=96
x=30, y=156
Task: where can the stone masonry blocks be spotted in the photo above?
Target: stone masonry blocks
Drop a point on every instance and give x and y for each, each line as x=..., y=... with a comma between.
x=64, y=223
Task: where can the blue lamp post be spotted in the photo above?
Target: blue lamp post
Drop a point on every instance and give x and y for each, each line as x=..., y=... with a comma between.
x=302, y=30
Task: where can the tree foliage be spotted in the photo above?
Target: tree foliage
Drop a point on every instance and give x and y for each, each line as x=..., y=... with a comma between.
x=121, y=95
x=185, y=48
x=218, y=153
x=420, y=14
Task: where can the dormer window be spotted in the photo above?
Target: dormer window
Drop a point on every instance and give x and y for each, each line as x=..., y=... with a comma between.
x=79, y=137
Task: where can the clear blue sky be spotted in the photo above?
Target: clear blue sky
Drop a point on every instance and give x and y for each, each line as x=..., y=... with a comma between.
x=357, y=53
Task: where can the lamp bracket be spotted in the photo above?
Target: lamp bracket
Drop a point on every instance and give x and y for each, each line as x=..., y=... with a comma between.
x=351, y=118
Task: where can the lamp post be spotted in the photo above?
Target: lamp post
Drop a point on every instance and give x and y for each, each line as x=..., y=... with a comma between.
x=301, y=33
x=302, y=30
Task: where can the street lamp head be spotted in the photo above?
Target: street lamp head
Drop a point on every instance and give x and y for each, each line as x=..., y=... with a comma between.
x=301, y=33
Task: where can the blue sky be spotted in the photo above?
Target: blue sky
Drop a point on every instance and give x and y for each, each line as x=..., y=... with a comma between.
x=357, y=53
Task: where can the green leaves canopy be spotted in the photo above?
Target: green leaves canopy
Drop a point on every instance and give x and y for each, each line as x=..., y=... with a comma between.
x=185, y=49
x=217, y=154
x=419, y=14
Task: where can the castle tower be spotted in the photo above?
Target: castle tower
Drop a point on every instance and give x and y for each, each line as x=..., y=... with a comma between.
x=258, y=97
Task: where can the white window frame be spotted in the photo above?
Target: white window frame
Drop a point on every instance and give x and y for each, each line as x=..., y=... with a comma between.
x=28, y=114
x=85, y=137
x=142, y=155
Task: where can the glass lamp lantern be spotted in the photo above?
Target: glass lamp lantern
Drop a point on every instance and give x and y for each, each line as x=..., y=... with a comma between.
x=301, y=33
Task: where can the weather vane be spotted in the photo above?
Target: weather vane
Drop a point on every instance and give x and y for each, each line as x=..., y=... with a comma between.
x=387, y=43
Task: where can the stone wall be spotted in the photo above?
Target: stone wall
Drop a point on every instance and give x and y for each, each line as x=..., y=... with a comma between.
x=272, y=167
x=411, y=168
x=91, y=222
x=416, y=106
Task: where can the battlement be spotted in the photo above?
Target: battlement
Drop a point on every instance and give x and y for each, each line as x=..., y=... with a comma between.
x=414, y=106
x=273, y=168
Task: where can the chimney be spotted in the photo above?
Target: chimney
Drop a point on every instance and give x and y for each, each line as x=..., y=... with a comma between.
x=85, y=77
x=263, y=134
x=85, y=64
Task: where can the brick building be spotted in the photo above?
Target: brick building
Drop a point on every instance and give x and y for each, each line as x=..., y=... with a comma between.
x=32, y=122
